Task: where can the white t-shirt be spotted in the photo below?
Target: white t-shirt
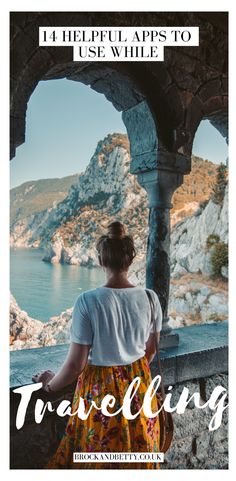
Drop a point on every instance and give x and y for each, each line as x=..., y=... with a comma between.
x=116, y=322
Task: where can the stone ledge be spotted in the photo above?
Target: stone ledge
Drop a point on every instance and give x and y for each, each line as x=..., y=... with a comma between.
x=202, y=352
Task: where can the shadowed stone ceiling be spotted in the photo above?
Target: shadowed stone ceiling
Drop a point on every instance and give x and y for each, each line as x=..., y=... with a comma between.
x=190, y=85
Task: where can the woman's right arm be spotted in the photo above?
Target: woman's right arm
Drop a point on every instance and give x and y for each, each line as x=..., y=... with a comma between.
x=150, y=351
x=73, y=366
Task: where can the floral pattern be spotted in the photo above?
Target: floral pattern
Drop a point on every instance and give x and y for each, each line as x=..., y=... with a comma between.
x=99, y=432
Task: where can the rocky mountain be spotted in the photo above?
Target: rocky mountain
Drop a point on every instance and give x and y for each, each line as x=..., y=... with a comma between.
x=104, y=192
x=23, y=328
x=199, y=245
x=68, y=228
x=190, y=250
x=195, y=297
x=37, y=195
x=28, y=333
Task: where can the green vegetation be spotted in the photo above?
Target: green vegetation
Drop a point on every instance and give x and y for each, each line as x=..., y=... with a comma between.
x=220, y=184
x=212, y=239
x=219, y=254
x=203, y=203
x=219, y=258
x=197, y=186
x=113, y=140
x=37, y=195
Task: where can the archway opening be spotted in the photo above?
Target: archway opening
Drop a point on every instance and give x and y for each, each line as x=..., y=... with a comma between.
x=66, y=178
x=199, y=243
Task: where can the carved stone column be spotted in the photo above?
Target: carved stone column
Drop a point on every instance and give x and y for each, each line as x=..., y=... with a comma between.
x=160, y=172
x=160, y=185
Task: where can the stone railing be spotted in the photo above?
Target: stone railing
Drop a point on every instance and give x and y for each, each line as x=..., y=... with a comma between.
x=200, y=363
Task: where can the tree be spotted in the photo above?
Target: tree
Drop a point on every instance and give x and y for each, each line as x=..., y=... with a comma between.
x=220, y=185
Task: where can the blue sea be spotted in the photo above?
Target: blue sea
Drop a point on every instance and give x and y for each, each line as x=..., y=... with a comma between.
x=43, y=289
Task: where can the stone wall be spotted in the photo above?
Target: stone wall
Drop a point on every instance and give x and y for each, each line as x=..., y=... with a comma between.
x=200, y=362
x=32, y=445
x=190, y=85
x=193, y=447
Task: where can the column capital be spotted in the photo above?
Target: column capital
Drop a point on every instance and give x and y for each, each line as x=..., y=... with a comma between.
x=160, y=185
x=161, y=159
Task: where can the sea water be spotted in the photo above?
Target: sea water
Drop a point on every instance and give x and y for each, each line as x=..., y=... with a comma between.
x=43, y=289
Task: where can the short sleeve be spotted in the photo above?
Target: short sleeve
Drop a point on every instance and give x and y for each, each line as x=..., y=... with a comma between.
x=81, y=329
x=157, y=312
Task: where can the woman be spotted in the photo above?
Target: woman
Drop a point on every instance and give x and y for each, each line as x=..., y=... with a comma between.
x=112, y=342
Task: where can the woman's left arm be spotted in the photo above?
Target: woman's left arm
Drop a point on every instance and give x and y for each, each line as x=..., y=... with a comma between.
x=73, y=366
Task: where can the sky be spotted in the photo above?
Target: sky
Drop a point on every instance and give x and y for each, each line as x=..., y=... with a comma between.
x=64, y=122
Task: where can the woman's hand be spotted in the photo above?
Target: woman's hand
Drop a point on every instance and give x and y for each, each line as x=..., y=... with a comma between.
x=44, y=377
x=73, y=366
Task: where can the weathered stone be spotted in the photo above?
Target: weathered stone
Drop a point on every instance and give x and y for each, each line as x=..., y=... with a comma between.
x=160, y=73
x=190, y=251
x=178, y=272
x=113, y=82
x=139, y=119
x=160, y=186
x=176, y=456
x=176, y=121
x=210, y=89
x=220, y=379
x=167, y=87
x=193, y=387
x=193, y=445
x=219, y=120
x=202, y=445
x=224, y=272
x=194, y=114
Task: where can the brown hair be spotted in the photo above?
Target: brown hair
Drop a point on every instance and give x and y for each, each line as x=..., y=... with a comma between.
x=116, y=249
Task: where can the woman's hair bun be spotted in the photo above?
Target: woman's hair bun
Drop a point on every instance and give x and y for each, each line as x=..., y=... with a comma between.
x=116, y=230
x=119, y=253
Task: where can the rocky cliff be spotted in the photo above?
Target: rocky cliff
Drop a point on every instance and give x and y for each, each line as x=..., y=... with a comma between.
x=104, y=192
x=31, y=198
x=189, y=247
x=28, y=333
x=193, y=299
x=194, y=296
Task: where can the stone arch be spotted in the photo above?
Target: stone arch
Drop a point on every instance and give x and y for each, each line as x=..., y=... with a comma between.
x=124, y=84
x=219, y=120
x=191, y=84
x=117, y=87
x=211, y=102
x=162, y=103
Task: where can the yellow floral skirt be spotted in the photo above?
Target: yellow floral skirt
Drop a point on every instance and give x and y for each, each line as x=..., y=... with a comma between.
x=101, y=433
